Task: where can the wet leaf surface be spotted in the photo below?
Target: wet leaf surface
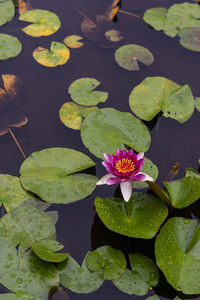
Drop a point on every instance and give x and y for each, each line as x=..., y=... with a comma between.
x=10, y=46
x=7, y=11
x=73, y=41
x=190, y=38
x=46, y=249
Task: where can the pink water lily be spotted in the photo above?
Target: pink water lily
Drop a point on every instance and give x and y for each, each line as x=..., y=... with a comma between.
x=123, y=168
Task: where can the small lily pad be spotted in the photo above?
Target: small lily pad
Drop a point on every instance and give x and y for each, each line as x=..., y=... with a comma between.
x=113, y=35
x=140, y=217
x=112, y=261
x=73, y=41
x=190, y=38
x=144, y=274
x=10, y=46
x=82, y=92
x=128, y=56
x=72, y=114
x=45, y=22
x=58, y=55
x=7, y=11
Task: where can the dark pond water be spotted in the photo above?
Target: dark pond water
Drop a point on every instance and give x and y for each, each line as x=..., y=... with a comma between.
x=45, y=90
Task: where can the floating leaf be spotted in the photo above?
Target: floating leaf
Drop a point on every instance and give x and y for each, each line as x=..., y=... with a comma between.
x=82, y=92
x=7, y=11
x=190, y=38
x=197, y=103
x=155, y=94
x=46, y=251
x=8, y=256
x=112, y=261
x=52, y=175
x=45, y=22
x=128, y=56
x=140, y=217
x=53, y=214
x=18, y=296
x=58, y=55
x=155, y=297
x=73, y=41
x=192, y=173
x=144, y=274
x=71, y=114
x=79, y=279
x=156, y=17
x=177, y=254
x=113, y=35
x=10, y=46
x=107, y=129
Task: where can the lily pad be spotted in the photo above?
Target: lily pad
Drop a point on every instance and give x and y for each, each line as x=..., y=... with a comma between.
x=7, y=11
x=8, y=256
x=107, y=129
x=155, y=297
x=155, y=94
x=82, y=92
x=79, y=279
x=10, y=46
x=177, y=251
x=44, y=22
x=113, y=35
x=58, y=55
x=128, y=56
x=144, y=274
x=18, y=296
x=73, y=41
x=112, y=261
x=140, y=217
x=71, y=114
x=197, y=103
x=53, y=175
x=156, y=17
x=46, y=251
x=190, y=38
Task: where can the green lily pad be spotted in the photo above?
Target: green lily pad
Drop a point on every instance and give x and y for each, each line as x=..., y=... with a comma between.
x=155, y=297
x=140, y=217
x=144, y=274
x=7, y=11
x=8, y=256
x=113, y=35
x=197, y=103
x=128, y=56
x=192, y=173
x=82, y=92
x=155, y=94
x=73, y=41
x=112, y=261
x=190, y=38
x=71, y=114
x=156, y=17
x=45, y=22
x=46, y=251
x=58, y=55
x=79, y=279
x=107, y=129
x=53, y=175
x=12, y=194
x=177, y=251
x=10, y=46
x=27, y=222
x=149, y=168
x=17, y=296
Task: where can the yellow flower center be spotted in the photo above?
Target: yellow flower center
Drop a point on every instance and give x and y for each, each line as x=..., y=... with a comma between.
x=125, y=165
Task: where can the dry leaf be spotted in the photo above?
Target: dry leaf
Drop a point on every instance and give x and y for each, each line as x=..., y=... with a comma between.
x=19, y=124
x=23, y=6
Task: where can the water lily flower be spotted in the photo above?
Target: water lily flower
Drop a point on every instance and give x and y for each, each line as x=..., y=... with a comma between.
x=124, y=168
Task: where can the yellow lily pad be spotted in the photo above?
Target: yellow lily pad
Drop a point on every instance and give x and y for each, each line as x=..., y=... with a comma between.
x=73, y=41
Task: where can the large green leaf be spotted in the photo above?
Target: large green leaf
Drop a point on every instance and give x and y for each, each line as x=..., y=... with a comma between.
x=140, y=217
x=156, y=17
x=144, y=274
x=8, y=256
x=10, y=46
x=44, y=22
x=112, y=261
x=7, y=11
x=107, y=129
x=155, y=94
x=17, y=296
x=82, y=92
x=50, y=174
x=79, y=279
x=178, y=254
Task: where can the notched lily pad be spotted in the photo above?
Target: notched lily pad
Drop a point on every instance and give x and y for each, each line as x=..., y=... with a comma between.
x=10, y=46
x=190, y=38
x=73, y=41
x=113, y=35
x=128, y=56
x=7, y=11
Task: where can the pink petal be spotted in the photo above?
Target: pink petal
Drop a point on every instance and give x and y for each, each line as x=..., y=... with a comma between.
x=147, y=177
x=126, y=189
x=140, y=155
x=112, y=180
x=103, y=180
x=108, y=166
x=139, y=165
x=137, y=177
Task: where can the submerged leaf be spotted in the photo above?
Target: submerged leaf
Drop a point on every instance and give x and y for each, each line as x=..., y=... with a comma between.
x=73, y=41
x=113, y=35
x=7, y=11
x=10, y=46
x=190, y=38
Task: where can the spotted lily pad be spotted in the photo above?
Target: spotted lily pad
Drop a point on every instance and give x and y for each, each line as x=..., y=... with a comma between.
x=10, y=46
x=144, y=274
x=128, y=56
x=155, y=94
x=140, y=217
x=7, y=11
x=44, y=22
x=177, y=251
x=8, y=256
x=107, y=129
x=71, y=114
x=17, y=296
x=82, y=92
x=190, y=38
x=113, y=35
x=58, y=55
x=53, y=175
x=73, y=41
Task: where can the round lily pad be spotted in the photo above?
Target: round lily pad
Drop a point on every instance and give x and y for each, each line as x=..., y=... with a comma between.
x=10, y=46
x=71, y=114
x=107, y=129
x=156, y=17
x=190, y=38
x=140, y=217
x=113, y=35
x=53, y=175
x=8, y=256
x=7, y=11
x=128, y=56
x=44, y=22
x=18, y=296
x=73, y=41
x=58, y=55
x=82, y=92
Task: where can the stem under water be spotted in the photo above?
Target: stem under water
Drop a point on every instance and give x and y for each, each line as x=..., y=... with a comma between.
x=128, y=13
x=17, y=143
